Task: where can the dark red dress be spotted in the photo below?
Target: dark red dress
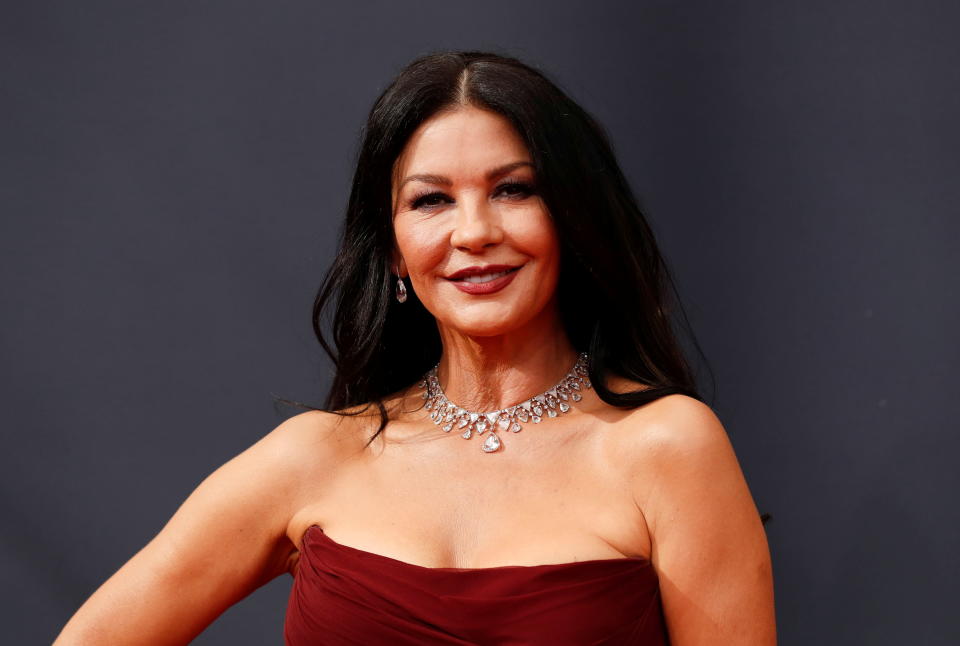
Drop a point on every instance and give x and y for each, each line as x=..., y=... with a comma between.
x=344, y=595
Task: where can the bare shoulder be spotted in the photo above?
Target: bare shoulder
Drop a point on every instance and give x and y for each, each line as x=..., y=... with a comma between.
x=308, y=437
x=678, y=423
x=708, y=544
x=271, y=472
x=685, y=439
x=673, y=443
x=672, y=425
x=262, y=487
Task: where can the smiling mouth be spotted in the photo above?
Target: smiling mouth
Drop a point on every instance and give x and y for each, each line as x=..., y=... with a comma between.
x=486, y=278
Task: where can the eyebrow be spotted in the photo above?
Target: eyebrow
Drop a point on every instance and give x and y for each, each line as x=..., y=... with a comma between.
x=430, y=178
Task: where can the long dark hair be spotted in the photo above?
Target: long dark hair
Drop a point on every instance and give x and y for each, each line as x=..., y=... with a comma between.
x=617, y=299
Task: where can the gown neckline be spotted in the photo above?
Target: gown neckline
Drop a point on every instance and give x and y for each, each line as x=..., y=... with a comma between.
x=630, y=560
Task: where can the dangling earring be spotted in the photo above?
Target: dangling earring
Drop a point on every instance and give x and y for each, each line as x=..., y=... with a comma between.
x=401, y=291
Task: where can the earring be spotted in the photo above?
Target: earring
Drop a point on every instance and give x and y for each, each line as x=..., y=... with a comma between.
x=401, y=291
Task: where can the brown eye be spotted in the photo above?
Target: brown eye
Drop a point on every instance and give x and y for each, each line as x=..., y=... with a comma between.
x=515, y=189
x=428, y=200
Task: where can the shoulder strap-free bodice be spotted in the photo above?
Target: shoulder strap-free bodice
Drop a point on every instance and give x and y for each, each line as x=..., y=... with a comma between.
x=344, y=595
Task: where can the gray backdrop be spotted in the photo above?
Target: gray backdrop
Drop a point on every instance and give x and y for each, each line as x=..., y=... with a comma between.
x=172, y=175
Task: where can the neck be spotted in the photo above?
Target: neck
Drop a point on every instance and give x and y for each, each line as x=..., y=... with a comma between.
x=490, y=373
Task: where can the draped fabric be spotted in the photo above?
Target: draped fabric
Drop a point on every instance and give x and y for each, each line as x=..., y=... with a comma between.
x=344, y=595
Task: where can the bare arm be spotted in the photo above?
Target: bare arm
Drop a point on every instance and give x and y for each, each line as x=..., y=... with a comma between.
x=709, y=546
x=227, y=539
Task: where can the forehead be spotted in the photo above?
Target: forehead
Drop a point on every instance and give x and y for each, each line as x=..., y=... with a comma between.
x=463, y=142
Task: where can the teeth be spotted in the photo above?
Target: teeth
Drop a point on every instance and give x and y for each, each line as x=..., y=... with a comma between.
x=485, y=278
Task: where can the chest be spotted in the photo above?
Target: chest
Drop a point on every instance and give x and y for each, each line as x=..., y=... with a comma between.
x=438, y=501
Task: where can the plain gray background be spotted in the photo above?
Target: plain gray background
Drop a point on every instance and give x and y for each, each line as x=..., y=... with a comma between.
x=172, y=176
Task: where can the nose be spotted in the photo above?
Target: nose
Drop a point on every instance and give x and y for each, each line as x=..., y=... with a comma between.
x=477, y=226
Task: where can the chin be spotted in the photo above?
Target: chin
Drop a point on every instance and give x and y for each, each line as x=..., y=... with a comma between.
x=485, y=325
x=498, y=320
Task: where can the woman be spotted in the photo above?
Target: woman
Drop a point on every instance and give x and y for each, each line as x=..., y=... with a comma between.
x=493, y=255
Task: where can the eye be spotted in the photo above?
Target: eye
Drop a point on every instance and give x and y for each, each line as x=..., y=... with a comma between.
x=428, y=200
x=515, y=189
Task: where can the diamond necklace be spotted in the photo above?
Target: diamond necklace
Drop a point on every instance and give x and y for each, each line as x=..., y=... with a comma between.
x=549, y=403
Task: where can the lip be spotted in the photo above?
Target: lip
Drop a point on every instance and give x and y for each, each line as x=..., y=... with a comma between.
x=488, y=287
x=479, y=269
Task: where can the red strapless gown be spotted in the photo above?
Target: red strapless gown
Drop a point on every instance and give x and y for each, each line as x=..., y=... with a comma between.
x=344, y=595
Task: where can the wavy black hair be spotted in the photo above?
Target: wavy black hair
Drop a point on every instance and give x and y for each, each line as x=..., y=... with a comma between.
x=616, y=297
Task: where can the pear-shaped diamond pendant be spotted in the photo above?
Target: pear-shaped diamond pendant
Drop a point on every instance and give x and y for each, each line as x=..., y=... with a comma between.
x=543, y=406
x=491, y=444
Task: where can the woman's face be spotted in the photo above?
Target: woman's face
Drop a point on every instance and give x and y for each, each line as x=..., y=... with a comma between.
x=471, y=231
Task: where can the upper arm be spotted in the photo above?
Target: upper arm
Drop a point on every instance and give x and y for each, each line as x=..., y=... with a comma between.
x=226, y=539
x=708, y=543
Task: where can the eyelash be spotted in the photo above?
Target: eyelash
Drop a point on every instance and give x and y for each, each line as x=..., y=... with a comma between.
x=417, y=201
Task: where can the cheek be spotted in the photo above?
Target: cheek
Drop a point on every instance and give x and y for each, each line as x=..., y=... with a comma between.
x=536, y=235
x=422, y=248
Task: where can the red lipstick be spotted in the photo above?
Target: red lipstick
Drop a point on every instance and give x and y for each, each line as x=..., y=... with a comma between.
x=486, y=279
